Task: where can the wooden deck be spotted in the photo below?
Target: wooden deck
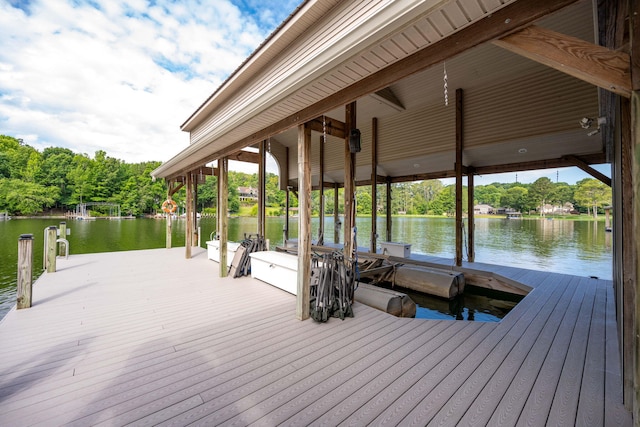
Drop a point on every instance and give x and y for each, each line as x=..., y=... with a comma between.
x=150, y=338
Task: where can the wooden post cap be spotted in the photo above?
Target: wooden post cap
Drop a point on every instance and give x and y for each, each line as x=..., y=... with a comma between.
x=52, y=227
x=26, y=237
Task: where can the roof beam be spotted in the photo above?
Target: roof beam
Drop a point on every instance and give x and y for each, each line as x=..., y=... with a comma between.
x=602, y=67
x=538, y=164
x=563, y=162
x=245, y=156
x=327, y=125
x=174, y=187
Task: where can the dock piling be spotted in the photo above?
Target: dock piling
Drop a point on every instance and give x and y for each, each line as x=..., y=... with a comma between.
x=51, y=249
x=25, y=263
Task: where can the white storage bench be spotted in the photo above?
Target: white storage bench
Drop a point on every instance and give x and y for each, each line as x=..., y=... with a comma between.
x=280, y=269
x=276, y=268
x=396, y=249
x=213, y=250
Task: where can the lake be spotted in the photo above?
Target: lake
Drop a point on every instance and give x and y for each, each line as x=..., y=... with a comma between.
x=573, y=247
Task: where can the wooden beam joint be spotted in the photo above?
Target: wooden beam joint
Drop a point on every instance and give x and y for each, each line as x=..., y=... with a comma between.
x=327, y=126
x=588, y=169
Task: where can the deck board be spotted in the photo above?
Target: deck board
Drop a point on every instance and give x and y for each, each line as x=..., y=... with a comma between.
x=591, y=404
x=149, y=338
x=458, y=391
x=541, y=368
x=565, y=403
x=362, y=406
x=526, y=355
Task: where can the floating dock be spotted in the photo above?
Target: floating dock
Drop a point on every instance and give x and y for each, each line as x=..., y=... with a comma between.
x=149, y=337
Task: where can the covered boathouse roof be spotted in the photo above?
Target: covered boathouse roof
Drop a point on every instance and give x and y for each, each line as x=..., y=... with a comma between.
x=392, y=58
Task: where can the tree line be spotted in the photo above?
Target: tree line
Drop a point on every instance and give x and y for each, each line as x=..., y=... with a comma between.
x=33, y=182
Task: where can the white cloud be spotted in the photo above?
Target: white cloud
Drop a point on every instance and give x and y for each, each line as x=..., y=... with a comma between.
x=120, y=76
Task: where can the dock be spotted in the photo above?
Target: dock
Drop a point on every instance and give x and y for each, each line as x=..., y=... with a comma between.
x=151, y=338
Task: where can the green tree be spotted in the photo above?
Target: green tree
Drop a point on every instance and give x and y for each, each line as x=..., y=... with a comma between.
x=106, y=177
x=489, y=194
x=56, y=164
x=234, y=205
x=562, y=194
x=515, y=198
x=139, y=194
x=26, y=198
x=363, y=201
x=540, y=193
x=14, y=158
x=208, y=193
x=445, y=201
x=275, y=196
x=33, y=167
x=593, y=194
x=79, y=178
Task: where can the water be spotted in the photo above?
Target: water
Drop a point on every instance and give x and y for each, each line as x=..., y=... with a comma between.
x=572, y=247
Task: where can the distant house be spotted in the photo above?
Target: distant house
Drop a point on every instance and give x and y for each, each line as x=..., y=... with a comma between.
x=248, y=194
x=547, y=209
x=483, y=209
x=557, y=209
x=505, y=211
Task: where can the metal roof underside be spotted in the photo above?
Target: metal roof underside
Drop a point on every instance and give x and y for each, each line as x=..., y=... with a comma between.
x=515, y=110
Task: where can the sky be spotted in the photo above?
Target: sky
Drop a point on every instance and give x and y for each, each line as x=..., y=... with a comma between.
x=568, y=175
x=122, y=76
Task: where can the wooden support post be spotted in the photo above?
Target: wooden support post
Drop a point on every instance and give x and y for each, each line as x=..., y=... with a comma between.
x=168, y=230
x=635, y=314
x=194, y=215
x=389, y=199
x=323, y=140
x=632, y=316
x=188, y=228
x=622, y=187
x=459, y=147
x=223, y=220
x=624, y=266
x=51, y=249
x=349, y=181
x=172, y=188
x=63, y=235
x=374, y=185
x=336, y=216
x=304, y=222
x=25, y=268
x=471, y=251
x=262, y=192
x=286, y=216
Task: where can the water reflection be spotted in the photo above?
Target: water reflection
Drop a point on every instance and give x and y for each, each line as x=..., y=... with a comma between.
x=476, y=304
x=572, y=247
x=581, y=248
